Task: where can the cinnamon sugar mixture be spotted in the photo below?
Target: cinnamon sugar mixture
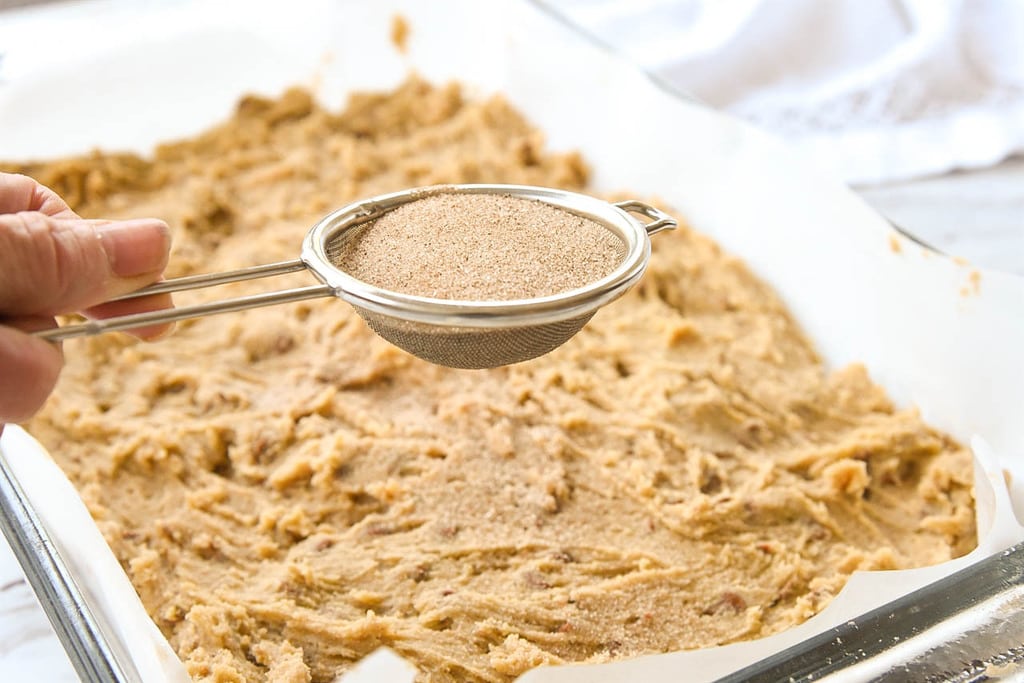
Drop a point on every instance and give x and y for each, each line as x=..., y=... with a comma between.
x=288, y=492
x=478, y=247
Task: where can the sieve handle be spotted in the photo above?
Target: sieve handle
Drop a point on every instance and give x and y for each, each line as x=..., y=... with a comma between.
x=181, y=284
x=136, y=320
x=662, y=221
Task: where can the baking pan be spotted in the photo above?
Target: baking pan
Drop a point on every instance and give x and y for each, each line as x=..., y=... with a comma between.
x=936, y=333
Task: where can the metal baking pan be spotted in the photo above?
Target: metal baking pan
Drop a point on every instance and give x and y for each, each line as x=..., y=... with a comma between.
x=94, y=653
x=935, y=333
x=967, y=627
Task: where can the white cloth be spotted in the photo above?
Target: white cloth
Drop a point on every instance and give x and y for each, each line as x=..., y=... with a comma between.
x=875, y=90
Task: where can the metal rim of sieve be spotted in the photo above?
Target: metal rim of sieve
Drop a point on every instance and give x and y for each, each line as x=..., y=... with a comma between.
x=493, y=314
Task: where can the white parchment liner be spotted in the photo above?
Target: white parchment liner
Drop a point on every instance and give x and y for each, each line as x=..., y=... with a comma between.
x=935, y=333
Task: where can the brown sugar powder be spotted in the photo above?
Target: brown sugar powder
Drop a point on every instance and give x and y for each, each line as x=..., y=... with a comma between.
x=480, y=247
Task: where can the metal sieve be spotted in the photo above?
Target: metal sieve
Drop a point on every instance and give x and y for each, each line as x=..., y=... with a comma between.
x=455, y=333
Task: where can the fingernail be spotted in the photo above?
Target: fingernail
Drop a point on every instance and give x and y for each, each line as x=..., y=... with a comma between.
x=135, y=247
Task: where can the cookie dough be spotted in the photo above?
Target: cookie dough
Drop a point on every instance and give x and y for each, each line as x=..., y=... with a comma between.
x=288, y=492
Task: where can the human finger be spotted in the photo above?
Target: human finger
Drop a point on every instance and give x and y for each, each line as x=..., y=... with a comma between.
x=21, y=193
x=143, y=304
x=29, y=366
x=57, y=265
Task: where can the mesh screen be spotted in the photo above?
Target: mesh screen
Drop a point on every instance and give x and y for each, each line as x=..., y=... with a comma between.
x=463, y=347
x=473, y=348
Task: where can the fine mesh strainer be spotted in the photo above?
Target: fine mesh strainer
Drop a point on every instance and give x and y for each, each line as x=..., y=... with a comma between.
x=460, y=334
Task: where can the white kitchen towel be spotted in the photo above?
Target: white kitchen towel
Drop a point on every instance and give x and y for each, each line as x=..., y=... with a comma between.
x=874, y=90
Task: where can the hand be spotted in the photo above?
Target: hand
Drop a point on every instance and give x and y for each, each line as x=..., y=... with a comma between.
x=52, y=261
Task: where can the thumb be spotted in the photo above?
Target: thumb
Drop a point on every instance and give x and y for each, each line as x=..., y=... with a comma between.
x=58, y=265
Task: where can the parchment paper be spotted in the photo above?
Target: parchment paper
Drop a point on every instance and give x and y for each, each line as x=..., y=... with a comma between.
x=934, y=332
